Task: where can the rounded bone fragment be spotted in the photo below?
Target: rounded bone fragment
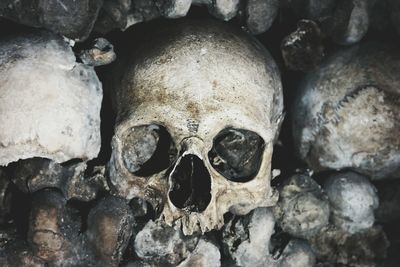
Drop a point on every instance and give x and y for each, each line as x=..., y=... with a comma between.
x=223, y=9
x=53, y=229
x=347, y=115
x=110, y=227
x=247, y=242
x=303, y=207
x=18, y=254
x=173, y=8
x=161, y=244
x=49, y=103
x=247, y=239
x=73, y=19
x=206, y=254
x=353, y=200
x=297, y=253
x=260, y=14
x=72, y=179
x=336, y=247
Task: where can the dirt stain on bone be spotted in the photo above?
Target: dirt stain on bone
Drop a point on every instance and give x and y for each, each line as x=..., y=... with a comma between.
x=193, y=109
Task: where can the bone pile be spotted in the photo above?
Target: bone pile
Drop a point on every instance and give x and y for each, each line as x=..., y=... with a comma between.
x=251, y=133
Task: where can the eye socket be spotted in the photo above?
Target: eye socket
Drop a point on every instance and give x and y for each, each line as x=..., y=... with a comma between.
x=237, y=154
x=148, y=149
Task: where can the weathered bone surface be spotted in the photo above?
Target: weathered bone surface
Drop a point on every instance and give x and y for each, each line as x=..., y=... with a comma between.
x=52, y=230
x=49, y=102
x=74, y=19
x=353, y=200
x=222, y=9
x=260, y=14
x=34, y=174
x=55, y=235
x=366, y=248
x=206, y=254
x=160, y=244
x=110, y=227
x=19, y=254
x=303, y=207
x=347, y=113
x=247, y=241
x=297, y=253
x=196, y=81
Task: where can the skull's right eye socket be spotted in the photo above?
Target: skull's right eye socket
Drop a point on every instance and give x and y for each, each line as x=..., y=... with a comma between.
x=237, y=154
x=148, y=149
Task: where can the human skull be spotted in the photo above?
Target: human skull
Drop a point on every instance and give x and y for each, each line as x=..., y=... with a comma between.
x=49, y=103
x=198, y=111
x=346, y=115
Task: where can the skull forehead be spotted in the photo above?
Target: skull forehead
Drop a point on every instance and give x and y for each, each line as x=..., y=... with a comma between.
x=198, y=67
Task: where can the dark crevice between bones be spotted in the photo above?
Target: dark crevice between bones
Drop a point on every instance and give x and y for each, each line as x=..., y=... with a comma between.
x=237, y=154
x=279, y=241
x=191, y=185
x=148, y=150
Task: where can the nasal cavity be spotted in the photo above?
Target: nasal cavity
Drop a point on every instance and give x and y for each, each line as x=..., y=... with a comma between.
x=191, y=185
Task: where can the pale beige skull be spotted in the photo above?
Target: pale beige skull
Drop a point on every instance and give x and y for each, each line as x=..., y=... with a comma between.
x=190, y=83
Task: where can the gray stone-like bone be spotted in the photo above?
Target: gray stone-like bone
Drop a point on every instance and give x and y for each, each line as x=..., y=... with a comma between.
x=303, y=207
x=336, y=247
x=247, y=242
x=223, y=9
x=158, y=243
x=353, y=200
x=173, y=8
x=347, y=113
x=206, y=254
x=72, y=180
x=110, y=228
x=49, y=103
x=260, y=14
x=74, y=19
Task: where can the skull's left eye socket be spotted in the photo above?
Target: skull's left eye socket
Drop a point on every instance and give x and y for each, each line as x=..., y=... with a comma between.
x=148, y=149
x=237, y=154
